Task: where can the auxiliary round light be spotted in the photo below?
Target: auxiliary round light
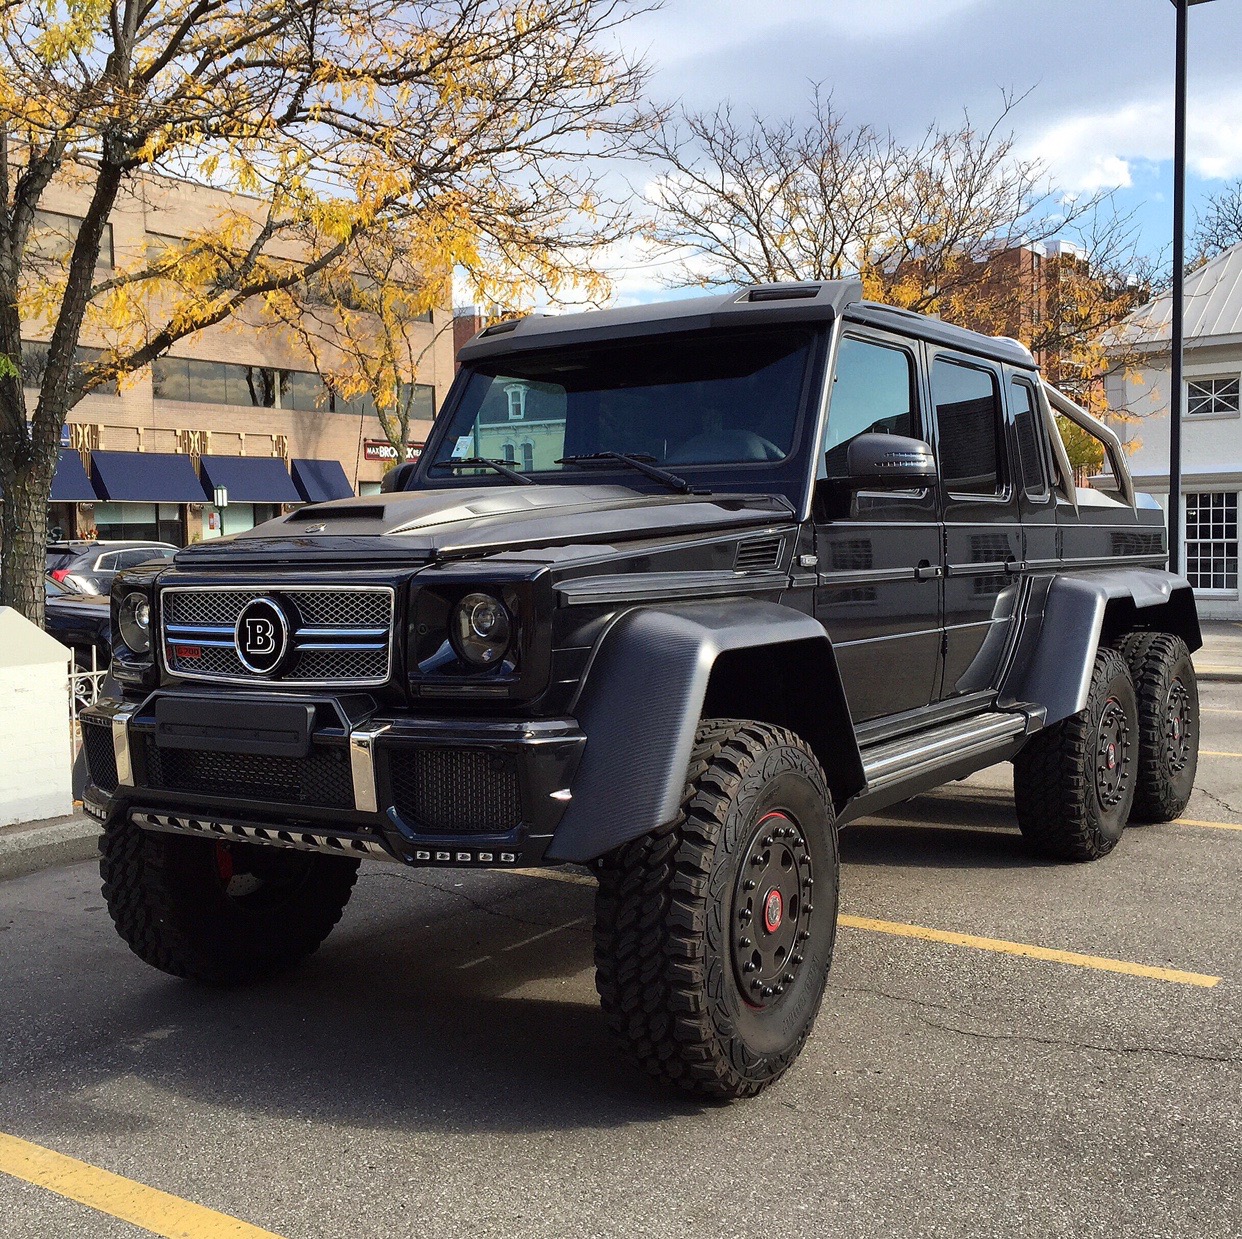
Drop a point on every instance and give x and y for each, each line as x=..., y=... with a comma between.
x=481, y=629
x=134, y=621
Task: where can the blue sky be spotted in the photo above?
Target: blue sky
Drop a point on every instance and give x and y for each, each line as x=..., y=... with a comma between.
x=1099, y=73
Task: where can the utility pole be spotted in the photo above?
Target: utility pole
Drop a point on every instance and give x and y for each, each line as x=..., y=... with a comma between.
x=1177, y=398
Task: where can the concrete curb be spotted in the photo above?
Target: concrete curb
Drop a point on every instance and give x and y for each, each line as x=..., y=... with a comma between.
x=30, y=846
x=1228, y=674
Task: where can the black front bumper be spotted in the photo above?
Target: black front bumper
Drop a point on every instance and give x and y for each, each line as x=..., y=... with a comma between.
x=411, y=789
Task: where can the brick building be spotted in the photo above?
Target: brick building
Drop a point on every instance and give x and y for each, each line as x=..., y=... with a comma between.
x=238, y=406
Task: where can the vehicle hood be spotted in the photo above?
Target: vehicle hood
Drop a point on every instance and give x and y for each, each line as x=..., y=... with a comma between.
x=461, y=523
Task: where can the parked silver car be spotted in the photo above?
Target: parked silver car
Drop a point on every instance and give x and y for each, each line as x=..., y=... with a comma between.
x=88, y=567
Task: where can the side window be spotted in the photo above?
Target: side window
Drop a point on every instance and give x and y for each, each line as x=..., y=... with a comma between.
x=106, y=563
x=1026, y=422
x=969, y=418
x=872, y=390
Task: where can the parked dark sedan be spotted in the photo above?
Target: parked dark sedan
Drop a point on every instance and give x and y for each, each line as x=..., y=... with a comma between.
x=88, y=567
x=83, y=622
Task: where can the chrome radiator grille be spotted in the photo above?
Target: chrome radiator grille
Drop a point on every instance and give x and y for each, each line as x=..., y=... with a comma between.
x=337, y=635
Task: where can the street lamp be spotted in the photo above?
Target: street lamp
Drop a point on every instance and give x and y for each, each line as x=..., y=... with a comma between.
x=1179, y=266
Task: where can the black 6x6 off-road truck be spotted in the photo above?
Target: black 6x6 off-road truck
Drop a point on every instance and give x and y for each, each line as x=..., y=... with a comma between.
x=674, y=592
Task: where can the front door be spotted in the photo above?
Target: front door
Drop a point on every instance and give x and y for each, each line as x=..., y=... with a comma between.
x=879, y=553
x=982, y=530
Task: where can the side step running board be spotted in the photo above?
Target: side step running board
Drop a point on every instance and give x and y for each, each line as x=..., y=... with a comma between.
x=896, y=761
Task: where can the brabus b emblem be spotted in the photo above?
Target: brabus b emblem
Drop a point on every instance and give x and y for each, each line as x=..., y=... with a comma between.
x=261, y=636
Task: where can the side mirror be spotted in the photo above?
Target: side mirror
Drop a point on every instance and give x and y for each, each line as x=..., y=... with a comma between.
x=398, y=477
x=889, y=462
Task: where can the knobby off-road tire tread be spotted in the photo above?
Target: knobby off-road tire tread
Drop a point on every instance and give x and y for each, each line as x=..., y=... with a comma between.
x=145, y=894
x=1152, y=657
x=653, y=911
x=1054, y=787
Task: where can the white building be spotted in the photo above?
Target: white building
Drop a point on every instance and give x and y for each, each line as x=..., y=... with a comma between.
x=1138, y=395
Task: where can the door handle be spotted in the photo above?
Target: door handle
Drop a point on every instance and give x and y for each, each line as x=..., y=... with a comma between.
x=927, y=571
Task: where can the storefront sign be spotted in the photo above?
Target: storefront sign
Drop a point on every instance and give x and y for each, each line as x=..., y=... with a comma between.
x=381, y=449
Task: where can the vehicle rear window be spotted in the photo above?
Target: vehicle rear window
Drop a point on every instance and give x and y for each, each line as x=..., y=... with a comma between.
x=59, y=559
x=969, y=418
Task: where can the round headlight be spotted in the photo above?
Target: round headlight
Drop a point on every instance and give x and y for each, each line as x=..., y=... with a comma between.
x=133, y=618
x=481, y=629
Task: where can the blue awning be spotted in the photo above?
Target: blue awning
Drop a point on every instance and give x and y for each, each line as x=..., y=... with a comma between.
x=70, y=483
x=145, y=477
x=321, y=480
x=249, y=479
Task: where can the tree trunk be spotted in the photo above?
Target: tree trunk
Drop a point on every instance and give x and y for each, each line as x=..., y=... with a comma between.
x=24, y=524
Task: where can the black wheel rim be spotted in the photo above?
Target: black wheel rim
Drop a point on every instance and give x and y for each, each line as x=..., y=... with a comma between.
x=772, y=908
x=1112, y=754
x=1178, y=728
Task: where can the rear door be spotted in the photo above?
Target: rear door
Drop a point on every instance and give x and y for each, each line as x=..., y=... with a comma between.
x=979, y=508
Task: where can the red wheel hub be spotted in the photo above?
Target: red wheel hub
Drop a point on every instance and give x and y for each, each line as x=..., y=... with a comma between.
x=773, y=911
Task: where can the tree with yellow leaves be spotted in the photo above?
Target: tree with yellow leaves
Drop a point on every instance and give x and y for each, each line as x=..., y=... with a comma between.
x=463, y=127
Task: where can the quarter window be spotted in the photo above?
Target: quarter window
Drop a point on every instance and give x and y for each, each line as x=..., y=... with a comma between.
x=1213, y=397
x=872, y=391
x=1212, y=540
x=1025, y=415
x=969, y=420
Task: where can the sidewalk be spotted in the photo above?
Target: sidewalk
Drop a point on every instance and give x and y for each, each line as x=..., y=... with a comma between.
x=1221, y=655
x=27, y=846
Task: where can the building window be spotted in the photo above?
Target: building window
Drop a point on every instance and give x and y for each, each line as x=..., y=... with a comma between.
x=1212, y=541
x=34, y=366
x=53, y=236
x=528, y=456
x=1212, y=397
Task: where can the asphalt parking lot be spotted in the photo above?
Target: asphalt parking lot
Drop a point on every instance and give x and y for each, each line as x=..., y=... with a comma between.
x=440, y=1066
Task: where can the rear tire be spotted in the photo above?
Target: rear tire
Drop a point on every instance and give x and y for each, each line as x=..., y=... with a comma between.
x=1168, y=713
x=711, y=954
x=1074, y=782
x=219, y=912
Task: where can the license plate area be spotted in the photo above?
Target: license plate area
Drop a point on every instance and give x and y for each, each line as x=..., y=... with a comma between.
x=270, y=729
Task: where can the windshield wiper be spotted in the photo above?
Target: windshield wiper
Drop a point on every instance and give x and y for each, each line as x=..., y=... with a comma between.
x=483, y=462
x=643, y=463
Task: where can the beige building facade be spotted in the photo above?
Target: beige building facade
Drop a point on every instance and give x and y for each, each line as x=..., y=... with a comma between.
x=241, y=401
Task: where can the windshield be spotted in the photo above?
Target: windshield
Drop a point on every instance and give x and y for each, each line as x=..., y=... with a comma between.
x=727, y=398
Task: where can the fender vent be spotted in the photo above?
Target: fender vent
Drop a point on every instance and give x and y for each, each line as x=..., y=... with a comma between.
x=756, y=553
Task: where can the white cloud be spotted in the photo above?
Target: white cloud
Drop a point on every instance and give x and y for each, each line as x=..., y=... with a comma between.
x=1097, y=150
x=693, y=29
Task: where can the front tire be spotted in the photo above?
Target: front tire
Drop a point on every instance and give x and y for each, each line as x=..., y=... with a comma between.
x=1074, y=782
x=1168, y=714
x=216, y=911
x=714, y=934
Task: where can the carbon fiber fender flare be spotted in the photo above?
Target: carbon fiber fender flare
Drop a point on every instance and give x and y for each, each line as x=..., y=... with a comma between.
x=657, y=672
x=1056, y=652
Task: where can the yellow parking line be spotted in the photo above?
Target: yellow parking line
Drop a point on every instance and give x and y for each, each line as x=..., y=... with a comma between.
x=1027, y=951
x=1218, y=710
x=1216, y=753
x=153, y=1210
x=1194, y=821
